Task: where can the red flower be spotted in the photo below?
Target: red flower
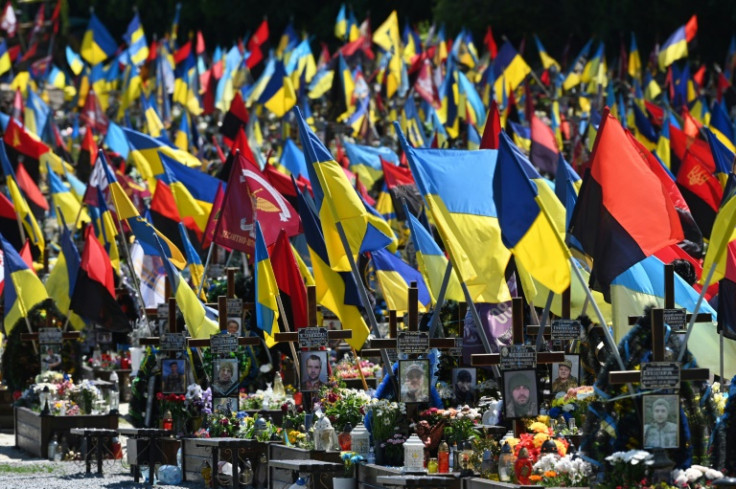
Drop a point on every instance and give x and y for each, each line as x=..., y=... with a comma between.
x=224, y=421
x=16, y=395
x=160, y=396
x=332, y=397
x=285, y=407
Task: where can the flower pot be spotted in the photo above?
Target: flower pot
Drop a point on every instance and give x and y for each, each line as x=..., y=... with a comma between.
x=343, y=483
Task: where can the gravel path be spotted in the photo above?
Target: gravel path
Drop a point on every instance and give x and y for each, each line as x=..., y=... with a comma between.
x=19, y=470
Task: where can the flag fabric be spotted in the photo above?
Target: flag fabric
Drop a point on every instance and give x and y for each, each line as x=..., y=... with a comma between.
x=267, y=291
x=509, y=70
x=195, y=315
x=74, y=61
x=32, y=229
x=619, y=223
x=675, y=47
x=290, y=282
x=151, y=275
x=23, y=289
x=388, y=37
x=65, y=201
x=724, y=233
x=94, y=297
x=145, y=153
x=701, y=189
x=366, y=161
x=292, y=158
x=531, y=218
x=9, y=222
x=63, y=277
x=235, y=119
x=394, y=276
x=194, y=262
x=337, y=201
x=5, y=62
x=433, y=263
x=97, y=43
x=336, y=291
x=278, y=95
x=547, y=60
x=455, y=185
x=9, y=22
x=194, y=215
x=136, y=39
x=543, y=150
x=165, y=216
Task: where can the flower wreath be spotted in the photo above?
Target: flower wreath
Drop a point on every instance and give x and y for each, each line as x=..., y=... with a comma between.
x=723, y=439
x=615, y=426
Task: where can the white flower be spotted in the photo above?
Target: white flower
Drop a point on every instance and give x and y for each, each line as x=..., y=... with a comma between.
x=546, y=462
x=711, y=474
x=568, y=407
x=679, y=477
x=693, y=474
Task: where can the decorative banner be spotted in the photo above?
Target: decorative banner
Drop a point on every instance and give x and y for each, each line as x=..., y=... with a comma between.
x=312, y=337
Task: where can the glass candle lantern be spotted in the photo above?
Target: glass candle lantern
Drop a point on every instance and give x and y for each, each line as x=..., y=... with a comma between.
x=360, y=440
x=414, y=454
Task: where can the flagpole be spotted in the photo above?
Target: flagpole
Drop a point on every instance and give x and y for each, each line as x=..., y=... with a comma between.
x=130, y=265
x=543, y=322
x=601, y=319
x=206, y=266
x=694, y=314
x=440, y=299
x=364, y=299
x=291, y=343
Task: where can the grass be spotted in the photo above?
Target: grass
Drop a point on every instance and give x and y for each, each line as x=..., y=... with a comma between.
x=25, y=469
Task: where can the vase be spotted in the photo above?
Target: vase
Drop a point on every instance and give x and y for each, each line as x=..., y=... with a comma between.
x=343, y=483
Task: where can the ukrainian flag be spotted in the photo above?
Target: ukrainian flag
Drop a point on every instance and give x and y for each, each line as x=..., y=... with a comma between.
x=65, y=201
x=394, y=277
x=74, y=60
x=292, y=158
x=723, y=233
x=97, y=43
x=432, y=262
x=23, y=288
x=547, y=60
x=634, y=67
x=267, y=291
x=33, y=230
x=195, y=315
x=456, y=185
x=145, y=152
x=63, y=277
x=336, y=291
x=366, y=161
x=675, y=47
x=338, y=201
x=5, y=63
x=196, y=269
x=187, y=205
x=136, y=39
x=523, y=200
x=509, y=69
x=278, y=95
x=341, y=24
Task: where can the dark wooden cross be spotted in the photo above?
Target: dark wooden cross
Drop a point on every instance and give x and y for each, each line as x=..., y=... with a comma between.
x=658, y=355
x=34, y=337
x=492, y=359
x=669, y=302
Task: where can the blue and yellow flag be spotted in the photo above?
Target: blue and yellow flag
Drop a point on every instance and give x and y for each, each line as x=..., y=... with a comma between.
x=136, y=39
x=336, y=291
x=278, y=96
x=267, y=308
x=194, y=262
x=32, y=229
x=144, y=150
x=523, y=200
x=366, y=161
x=23, y=288
x=338, y=202
x=509, y=69
x=456, y=185
x=394, y=277
x=65, y=201
x=97, y=43
x=547, y=60
x=5, y=63
x=432, y=262
x=675, y=47
x=63, y=277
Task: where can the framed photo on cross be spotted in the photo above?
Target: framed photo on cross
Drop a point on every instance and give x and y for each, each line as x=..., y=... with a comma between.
x=520, y=393
x=661, y=420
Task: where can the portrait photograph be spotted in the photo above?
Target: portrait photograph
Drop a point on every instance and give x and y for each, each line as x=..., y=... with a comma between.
x=565, y=375
x=520, y=396
x=661, y=420
x=313, y=365
x=414, y=380
x=104, y=337
x=225, y=405
x=174, y=376
x=233, y=326
x=50, y=357
x=224, y=376
x=463, y=382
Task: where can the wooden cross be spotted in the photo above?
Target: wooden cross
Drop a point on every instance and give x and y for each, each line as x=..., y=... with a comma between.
x=491, y=359
x=658, y=349
x=71, y=335
x=669, y=302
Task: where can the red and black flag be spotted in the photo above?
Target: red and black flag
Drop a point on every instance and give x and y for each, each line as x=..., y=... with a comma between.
x=290, y=282
x=87, y=155
x=94, y=296
x=235, y=119
x=623, y=213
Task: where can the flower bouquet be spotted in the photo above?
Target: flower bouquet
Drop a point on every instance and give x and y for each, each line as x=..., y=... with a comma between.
x=572, y=405
x=695, y=477
x=349, y=461
x=347, y=368
x=537, y=433
x=343, y=406
x=553, y=471
x=393, y=450
x=626, y=469
x=385, y=416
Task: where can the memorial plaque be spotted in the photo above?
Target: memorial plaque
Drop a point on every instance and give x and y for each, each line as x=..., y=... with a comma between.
x=457, y=350
x=312, y=337
x=173, y=342
x=413, y=342
x=676, y=319
x=660, y=375
x=517, y=357
x=223, y=343
x=235, y=308
x=566, y=329
x=50, y=336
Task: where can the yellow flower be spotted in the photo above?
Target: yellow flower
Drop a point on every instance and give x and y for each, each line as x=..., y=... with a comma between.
x=543, y=418
x=513, y=442
x=540, y=438
x=561, y=448
x=538, y=427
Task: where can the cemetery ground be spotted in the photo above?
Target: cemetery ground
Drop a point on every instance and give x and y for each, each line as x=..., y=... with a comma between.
x=19, y=470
